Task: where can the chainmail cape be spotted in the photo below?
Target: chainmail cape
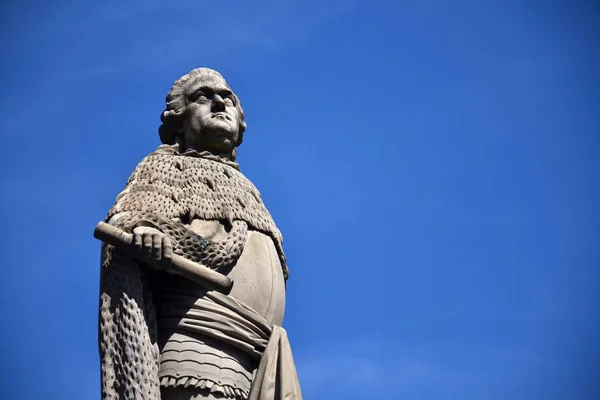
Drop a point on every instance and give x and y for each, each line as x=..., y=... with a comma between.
x=168, y=190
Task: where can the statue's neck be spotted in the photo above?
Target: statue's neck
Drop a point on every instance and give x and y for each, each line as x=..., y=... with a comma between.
x=174, y=149
x=184, y=147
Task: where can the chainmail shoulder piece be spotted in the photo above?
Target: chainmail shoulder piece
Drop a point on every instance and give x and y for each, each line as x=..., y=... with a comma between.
x=167, y=186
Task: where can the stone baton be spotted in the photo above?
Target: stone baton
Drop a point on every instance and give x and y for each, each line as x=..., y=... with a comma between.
x=179, y=265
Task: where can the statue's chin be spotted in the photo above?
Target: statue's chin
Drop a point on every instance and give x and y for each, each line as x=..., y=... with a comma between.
x=222, y=145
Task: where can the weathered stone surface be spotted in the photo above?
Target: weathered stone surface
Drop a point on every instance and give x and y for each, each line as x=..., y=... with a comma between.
x=162, y=335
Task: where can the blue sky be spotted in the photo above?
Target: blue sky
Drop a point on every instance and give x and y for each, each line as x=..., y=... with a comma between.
x=433, y=166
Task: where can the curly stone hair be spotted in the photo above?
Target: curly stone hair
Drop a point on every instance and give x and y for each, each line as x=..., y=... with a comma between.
x=172, y=116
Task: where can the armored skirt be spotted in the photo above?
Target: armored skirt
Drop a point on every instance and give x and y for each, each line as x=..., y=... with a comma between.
x=194, y=361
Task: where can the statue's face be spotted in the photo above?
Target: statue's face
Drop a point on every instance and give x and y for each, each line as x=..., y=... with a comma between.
x=211, y=121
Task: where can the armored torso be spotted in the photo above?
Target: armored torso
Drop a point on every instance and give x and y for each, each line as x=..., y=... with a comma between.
x=232, y=231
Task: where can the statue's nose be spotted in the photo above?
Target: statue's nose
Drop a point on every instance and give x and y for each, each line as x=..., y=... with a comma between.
x=218, y=100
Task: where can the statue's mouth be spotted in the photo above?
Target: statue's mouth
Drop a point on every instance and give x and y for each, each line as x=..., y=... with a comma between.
x=221, y=115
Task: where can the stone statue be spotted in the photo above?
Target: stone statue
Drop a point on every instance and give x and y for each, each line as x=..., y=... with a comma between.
x=166, y=331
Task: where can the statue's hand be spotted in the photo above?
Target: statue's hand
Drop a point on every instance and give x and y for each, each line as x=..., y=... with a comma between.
x=152, y=247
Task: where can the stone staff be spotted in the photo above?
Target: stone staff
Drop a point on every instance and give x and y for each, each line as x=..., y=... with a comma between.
x=179, y=265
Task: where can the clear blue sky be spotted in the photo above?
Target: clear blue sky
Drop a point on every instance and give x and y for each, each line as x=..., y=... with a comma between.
x=433, y=165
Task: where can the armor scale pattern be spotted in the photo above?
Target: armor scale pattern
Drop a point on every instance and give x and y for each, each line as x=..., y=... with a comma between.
x=166, y=187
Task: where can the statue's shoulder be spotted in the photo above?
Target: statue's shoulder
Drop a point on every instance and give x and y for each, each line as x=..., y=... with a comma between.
x=162, y=152
x=165, y=150
x=150, y=163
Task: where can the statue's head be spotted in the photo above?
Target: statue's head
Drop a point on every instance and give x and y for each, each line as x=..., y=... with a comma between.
x=203, y=113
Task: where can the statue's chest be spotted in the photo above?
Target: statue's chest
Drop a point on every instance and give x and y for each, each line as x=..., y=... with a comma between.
x=207, y=190
x=257, y=275
x=196, y=177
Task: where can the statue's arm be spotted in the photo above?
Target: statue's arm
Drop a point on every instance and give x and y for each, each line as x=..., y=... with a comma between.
x=141, y=204
x=179, y=239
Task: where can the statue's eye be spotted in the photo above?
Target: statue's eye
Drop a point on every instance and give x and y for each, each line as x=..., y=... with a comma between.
x=200, y=96
x=229, y=100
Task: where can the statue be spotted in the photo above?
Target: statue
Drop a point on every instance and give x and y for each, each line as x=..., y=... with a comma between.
x=192, y=285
